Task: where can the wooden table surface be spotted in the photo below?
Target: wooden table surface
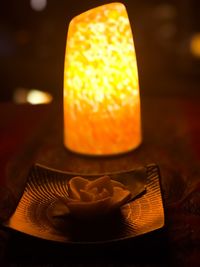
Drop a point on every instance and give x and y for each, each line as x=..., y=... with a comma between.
x=171, y=131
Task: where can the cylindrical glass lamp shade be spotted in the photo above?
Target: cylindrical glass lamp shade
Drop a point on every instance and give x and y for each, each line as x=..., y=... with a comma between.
x=101, y=89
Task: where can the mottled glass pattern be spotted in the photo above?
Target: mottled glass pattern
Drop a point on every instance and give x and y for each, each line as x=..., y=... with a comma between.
x=101, y=91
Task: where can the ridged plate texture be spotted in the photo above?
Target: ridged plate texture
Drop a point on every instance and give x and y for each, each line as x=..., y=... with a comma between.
x=35, y=214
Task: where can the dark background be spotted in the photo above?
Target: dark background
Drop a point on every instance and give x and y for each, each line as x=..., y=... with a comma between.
x=32, y=45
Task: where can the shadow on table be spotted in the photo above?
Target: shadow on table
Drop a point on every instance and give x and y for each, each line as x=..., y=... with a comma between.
x=148, y=249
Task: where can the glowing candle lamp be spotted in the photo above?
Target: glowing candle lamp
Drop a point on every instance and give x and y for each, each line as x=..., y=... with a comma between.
x=101, y=89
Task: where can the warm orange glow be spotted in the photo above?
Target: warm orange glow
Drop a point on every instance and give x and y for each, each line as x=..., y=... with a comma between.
x=195, y=45
x=33, y=96
x=36, y=97
x=101, y=90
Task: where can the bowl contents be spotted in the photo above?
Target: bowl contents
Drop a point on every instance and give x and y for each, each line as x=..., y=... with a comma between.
x=101, y=196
